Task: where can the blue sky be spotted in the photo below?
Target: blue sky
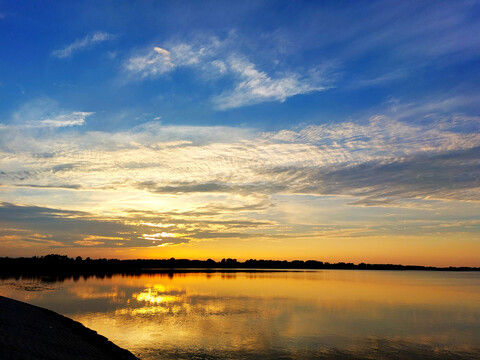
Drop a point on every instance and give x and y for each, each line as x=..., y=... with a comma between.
x=268, y=128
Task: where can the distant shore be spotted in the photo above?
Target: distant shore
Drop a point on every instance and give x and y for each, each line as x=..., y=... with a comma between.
x=64, y=266
x=34, y=333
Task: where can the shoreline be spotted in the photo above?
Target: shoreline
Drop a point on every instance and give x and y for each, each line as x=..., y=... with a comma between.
x=31, y=332
x=55, y=264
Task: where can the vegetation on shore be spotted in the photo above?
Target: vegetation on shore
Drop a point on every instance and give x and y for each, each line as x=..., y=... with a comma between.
x=63, y=265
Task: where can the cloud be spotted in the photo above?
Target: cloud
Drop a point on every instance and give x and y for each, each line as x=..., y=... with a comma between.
x=21, y=224
x=151, y=64
x=94, y=240
x=75, y=118
x=50, y=186
x=67, y=228
x=452, y=175
x=208, y=187
x=425, y=32
x=434, y=30
x=156, y=61
x=44, y=112
x=81, y=44
x=379, y=80
x=400, y=40
x=88, y=242
x=212, y=58
x=385, y=159
x=257, y=87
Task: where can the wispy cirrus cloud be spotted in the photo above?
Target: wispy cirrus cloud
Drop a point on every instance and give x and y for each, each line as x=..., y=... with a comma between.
x=256, y=86
x=155, y=61
x=213, y=58
x=74, y=118
x=81, y=44
x=151, y=63
x=45, y=113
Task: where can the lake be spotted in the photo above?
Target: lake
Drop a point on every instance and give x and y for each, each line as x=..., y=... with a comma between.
x=331, y=314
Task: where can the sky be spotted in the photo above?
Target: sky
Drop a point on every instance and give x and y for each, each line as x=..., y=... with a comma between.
x=325, y=130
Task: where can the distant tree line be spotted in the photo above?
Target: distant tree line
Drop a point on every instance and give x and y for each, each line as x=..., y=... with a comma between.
x=64, y=266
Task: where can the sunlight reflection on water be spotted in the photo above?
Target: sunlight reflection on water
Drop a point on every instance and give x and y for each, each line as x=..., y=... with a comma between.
x=285, y=315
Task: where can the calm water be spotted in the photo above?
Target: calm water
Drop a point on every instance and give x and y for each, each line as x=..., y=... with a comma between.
x=285, y=315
